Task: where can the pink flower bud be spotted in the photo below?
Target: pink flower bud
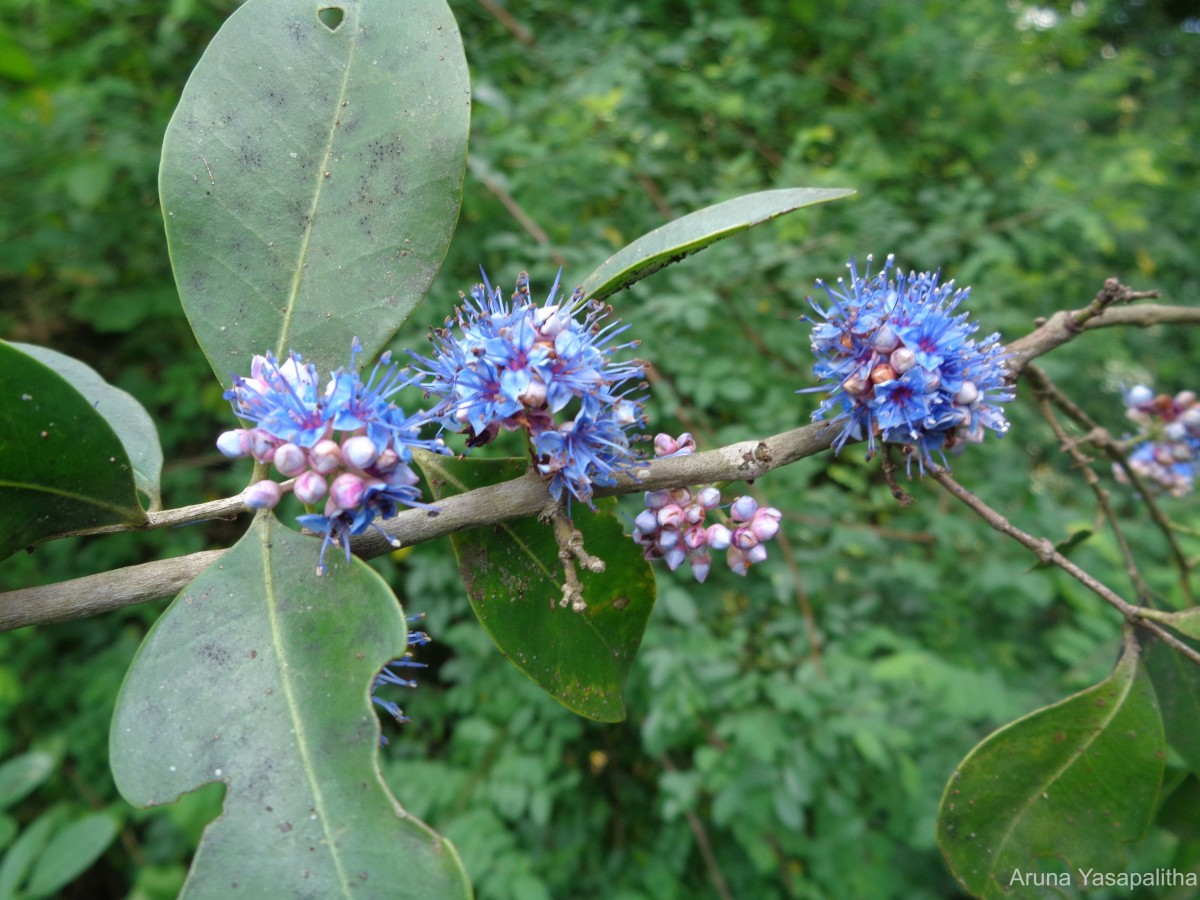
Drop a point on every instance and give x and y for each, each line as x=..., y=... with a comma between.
x=967, y=394
x=666, y=540
x=326, y=456
x=655, y=499
x=347, y=489
x=756, y=554
x=719, y=537
x=701, y=563
x=902, y=359
x=744, y=539
x=737, y=561
x=263, y=495
x=234, y=444
x=764, y=527
x=675, y=557
x=709, y=497
x=885, y=340
x=1184, y=399
x=665, y=445
x=695, y=537
x=310, y=488
x=682, y=496
x=290, y=460
x=387, y=461
x=743, y=508
x=262, y=445
x=534, y=394
x=670, y=516
x=359, y=451
x=646, y=522
x=693, y=513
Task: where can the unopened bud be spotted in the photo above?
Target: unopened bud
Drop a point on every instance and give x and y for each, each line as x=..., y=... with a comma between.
x=1139, y=395
x=347, y=489
x=646, y=521
x=719, y=537
x=695, y=537
x=359, y=451
x=855, y=386
x=670, y=516
x=764, y=527
x=743, y=508
x=967, y=394
x=655, y=499
x=264, y=494
x=1175, y=431
x=1184, y=399
x=744, y=539
x=325, y=456
x=709, y=497
x=310, y=488
x=885, y=340
x=290, y=460
x=882, y=374
x=665, y=445
x=674, y=558
x=387, y=461
x=701, y=563
x=234, y=444
x=902, y=359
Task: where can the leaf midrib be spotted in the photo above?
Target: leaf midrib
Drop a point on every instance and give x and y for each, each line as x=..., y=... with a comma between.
x=281, y=346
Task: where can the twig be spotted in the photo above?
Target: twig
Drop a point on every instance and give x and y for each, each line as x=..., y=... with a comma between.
x=516, y=499
x=1100, y=438
x=1070, y=446
x=1044, y=550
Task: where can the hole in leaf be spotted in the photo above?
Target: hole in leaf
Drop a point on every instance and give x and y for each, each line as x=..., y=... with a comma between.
x=331, y=16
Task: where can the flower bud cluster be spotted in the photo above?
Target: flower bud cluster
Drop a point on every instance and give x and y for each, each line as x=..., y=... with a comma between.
x=1169, y=429
x=901, y=368
x=547, y=370
x=346, y=446
x=675, y=525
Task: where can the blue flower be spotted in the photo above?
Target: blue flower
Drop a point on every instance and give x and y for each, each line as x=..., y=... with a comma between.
x=515, y=365
x=347, y=445
x=387, y=675
x=901, y=366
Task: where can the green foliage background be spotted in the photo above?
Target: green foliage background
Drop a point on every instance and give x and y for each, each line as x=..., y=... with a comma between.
x=790, y=733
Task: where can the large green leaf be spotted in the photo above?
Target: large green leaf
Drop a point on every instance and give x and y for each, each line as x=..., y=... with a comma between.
x=1177, y=685
x=61, y=466
x=257, y=676
x=514, y=580
x=1072, y=782
x=695, y=231
x=311, y=176
x=127, y=417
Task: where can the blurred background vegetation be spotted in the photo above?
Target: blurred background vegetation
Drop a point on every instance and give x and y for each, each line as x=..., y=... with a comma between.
x=789, y=734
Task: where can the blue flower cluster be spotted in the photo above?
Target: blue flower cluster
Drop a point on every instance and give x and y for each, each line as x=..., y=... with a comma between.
x=1168, y=441
x=347, y=444
x=388, y=676
x=900, y=366
x=546, y=369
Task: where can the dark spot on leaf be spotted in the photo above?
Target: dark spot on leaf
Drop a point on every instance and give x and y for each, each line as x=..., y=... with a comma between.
x=620, y=603
x=285, y=827
x=1059, y=737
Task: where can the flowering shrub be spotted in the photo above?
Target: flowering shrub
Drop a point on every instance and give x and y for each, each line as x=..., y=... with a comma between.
x=900, y=366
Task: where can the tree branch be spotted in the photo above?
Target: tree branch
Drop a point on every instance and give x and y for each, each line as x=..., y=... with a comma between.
x=516, y=499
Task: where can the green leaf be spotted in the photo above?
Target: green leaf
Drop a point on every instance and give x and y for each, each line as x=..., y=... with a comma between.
x=514, y=579
x=695, y=231
x=20, y=857
x=311, y=176
x=1177, y=685
x=127, y=417
x=21, y=774
x=71, y=852
x=258, y=676
x=1073, y=782
x=61, y=466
